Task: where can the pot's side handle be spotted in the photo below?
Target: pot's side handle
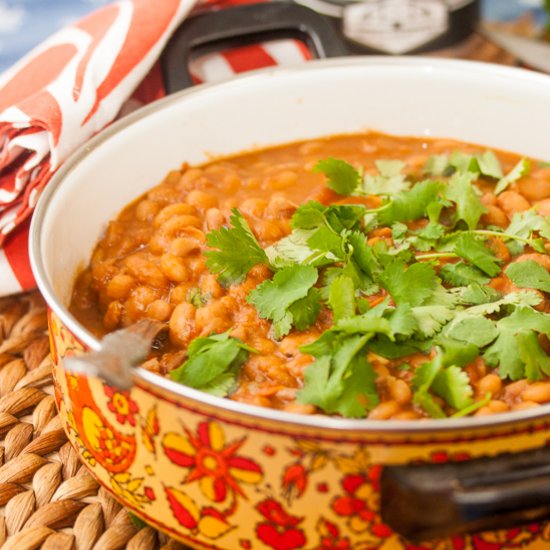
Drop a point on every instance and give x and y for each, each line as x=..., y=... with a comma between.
x=429, y=501
x=242, y=25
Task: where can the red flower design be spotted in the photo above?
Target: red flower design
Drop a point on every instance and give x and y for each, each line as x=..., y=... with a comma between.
x=281, y=530
x=330, y=537
x=121, y=405
x=354, y=505
x=214, y=464
x=294, y=480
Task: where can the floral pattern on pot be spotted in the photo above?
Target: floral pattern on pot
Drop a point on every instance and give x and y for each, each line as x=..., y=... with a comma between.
x=210, y=479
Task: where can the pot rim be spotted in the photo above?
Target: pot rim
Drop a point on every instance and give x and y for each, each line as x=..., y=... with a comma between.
x=322, y=422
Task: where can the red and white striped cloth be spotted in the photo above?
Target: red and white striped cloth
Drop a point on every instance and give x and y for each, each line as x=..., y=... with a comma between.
x=77, y=82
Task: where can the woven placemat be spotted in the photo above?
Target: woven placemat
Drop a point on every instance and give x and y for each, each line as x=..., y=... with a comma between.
x=48, y=499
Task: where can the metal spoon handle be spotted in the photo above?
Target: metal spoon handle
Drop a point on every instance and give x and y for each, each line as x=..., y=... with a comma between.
x=121, y=351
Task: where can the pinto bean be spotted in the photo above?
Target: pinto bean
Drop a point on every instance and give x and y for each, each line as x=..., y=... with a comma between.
x=174, y=268
x=543, y=207
x=400, y=391
x=491, y=383
x=182, y=324
x=512, y=202
x=172, y=210
x=214, y=218
x=385, y=410
x=535, y=187
x=495, y=216
x=281, y=207
x=201, y=200
x=119, y=286
x=159, y=310
x=539, y=392
x=254, y=207
x=146, y=210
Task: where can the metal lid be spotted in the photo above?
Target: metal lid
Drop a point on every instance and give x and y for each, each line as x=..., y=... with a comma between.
x=400, y=26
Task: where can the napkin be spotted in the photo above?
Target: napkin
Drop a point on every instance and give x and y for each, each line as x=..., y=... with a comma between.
x=76, y=83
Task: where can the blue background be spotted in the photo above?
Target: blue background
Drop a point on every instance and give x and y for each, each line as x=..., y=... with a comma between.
x=25, y=23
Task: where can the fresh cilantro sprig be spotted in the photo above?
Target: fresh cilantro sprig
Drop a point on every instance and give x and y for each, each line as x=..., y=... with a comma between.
x=213, y=364
x=433, y=273
x=235, y=251
x=342, y=177
x=288, y=299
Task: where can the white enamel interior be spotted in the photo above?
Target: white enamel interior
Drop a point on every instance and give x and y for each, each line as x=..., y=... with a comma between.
x=481, y=103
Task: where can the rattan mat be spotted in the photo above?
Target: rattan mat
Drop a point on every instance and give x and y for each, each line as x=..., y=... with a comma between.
x=47, y=497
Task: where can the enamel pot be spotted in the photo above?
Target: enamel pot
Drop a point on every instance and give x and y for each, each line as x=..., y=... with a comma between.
x=219, y=474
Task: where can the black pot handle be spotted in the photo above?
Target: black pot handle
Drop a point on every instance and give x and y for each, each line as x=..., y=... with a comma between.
x=242, y=25
x=423, y=502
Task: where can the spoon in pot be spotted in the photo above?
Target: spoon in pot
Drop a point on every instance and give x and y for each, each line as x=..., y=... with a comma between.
x=120, y=352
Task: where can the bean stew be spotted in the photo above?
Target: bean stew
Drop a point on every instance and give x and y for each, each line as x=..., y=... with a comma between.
x=361, y=275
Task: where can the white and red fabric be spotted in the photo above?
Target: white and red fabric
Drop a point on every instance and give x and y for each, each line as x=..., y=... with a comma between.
x=76, y=83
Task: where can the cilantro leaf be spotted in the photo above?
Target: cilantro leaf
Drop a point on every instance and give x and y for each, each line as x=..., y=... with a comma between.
x=453, y=385
x=517, y=350
x=475, y=294
x=238, y=251
x=423, y=379
x=466, y=198
x=294, y=249
x=342, y=176
x=213, y=363
x=437, y=165
x=486, y=164
x=305, y=311
x=478, y=331
x=472, y=249
x=461, y=274
x=360, y=393
x=389, y=181
x=535, y=358
x=504, y=353
x=325, y=379
x=308, y=216
x=524, y=223
x=274, y=297
x=342, y=298
x=521, y=169
x=412, y=285
x=363, y=254
x=529, y=274
x=524, y=317
x=408, y=206
x=489, y=165
x=456, y=352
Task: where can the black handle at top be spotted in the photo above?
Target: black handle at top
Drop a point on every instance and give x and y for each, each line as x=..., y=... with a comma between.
x=423, y=502
x=242, y=25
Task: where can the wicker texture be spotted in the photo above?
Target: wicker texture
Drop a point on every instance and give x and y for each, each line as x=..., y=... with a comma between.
x=47, y=497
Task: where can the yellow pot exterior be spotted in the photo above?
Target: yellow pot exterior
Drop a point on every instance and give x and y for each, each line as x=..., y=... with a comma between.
x=219, y=480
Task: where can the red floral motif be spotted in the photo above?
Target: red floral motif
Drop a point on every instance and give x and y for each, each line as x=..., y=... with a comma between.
x=518, y=537
x=207, y=521
x=280, y=531
x=150, y=428
x=121, y=405
x=215, y=465
x=98, y=439
x=330, y=537
x=294, y=482
x=354, y=505
x=149, y=492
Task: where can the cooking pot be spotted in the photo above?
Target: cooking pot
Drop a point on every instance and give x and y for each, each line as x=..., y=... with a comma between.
x=219, y=474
